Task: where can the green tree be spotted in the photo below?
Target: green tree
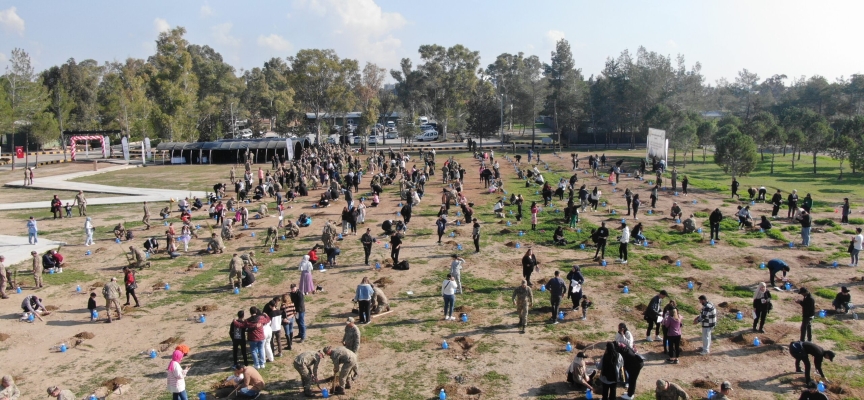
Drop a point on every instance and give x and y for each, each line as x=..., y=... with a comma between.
x=735, y=152
x=449, y=76
x=795, y=138
x=531, y=92
x=819, y=136
x=321, y=81
x=483, y=113
x=840, y=150
x=28, y=98
x=773, y=138
x=705, y=132
x=173, y=88
x=567, y=90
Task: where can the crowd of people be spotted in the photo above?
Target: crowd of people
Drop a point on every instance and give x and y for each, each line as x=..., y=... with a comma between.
x=339, y=173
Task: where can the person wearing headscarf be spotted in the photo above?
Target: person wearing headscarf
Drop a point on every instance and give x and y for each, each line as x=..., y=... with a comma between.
x=306, y=283
x=176, y=375
x=761, y=306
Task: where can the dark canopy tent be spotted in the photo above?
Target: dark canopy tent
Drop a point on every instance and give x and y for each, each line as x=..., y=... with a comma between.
x=231, y=151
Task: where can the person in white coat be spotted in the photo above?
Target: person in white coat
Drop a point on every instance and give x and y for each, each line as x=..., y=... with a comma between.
x=88, y=232
x=623, y=241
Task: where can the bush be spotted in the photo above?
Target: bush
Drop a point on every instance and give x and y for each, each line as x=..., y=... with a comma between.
x=856, y=221
x=776, y=235
x=825, y=293
x=825, y=221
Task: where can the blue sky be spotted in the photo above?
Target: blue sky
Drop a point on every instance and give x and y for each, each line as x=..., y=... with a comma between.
x=768, y=37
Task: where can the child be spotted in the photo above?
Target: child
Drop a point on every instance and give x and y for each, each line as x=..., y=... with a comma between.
x=91, y=305
x=585, y=304
x=68, y=208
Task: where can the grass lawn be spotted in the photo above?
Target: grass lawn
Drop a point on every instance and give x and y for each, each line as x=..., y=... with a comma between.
x=192, y=177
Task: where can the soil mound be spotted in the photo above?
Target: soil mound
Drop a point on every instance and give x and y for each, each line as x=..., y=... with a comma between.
x=704, y=384
x=668, y=259
x=506, y=231
x=85, y=335
x=383, y=282
x=510, y=244
x=624, y=283
x=641, y=307
x=206, y=308
x=473, y=390
x=542, y=281
x=464, y=309
x=115, y=383
x=52, y=308
x=3, y=337
x=466, y=342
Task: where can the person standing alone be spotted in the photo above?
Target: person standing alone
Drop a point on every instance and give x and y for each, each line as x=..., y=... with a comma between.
x=475, y=235
x=808, y=310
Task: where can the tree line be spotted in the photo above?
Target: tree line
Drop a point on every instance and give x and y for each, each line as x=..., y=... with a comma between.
x=187, y=92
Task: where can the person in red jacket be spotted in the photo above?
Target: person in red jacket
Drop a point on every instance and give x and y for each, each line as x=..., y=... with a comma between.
x=313, y=255
x=255, y=334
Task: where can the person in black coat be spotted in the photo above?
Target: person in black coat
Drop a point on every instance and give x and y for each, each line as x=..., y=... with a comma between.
x=529, y=263
x=633, y=364
x=761, y=306
x=575, y=275
x=600, y=235
x=714, y=221
x=812, y=393
x=406, y=211
x=776, y=201
x=735, y=186
x=792, y=202
x=609, y=371
x=651, y=314
x=808, y=311
x=802, y=351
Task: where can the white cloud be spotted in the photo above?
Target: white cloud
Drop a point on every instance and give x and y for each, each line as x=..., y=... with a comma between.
x=315, y=6
x=363, y=24
x=222, y=34
x=671, y=43
x=275, y=42
x=11, y=22
x=206, y=11
x=554, y=35
x=161, y=25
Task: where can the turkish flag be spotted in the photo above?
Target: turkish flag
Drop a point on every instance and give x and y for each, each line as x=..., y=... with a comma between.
x=19, y=151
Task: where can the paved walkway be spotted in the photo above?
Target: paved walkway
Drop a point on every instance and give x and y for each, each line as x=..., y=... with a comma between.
x=61, y=182
x=16, y=249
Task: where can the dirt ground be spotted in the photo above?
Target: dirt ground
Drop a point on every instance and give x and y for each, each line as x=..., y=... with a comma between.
x=401, y=355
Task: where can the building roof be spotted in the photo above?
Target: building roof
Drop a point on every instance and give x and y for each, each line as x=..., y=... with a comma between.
x=232, y=144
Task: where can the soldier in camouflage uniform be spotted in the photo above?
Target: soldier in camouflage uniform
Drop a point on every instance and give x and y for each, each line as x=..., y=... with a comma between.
x=344, y=362
x=328, y=236
x=307, y=365
x=216, y=244
x=351, y=339
x=379, y=301
x=523, y=298
x=670, y=391
x=235, y=273
x=249, y=259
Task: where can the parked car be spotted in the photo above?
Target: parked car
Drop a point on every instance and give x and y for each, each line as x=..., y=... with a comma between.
x=373, y=140
x=392, y=134
x=428, y=136
x=424, y=120
x=391, y=124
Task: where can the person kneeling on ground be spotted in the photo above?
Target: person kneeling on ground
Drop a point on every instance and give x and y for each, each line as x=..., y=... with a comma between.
x=558, y=236
x=248, y=381
x=499, y=209
x=676, y=211
x=689, y=225
x=215, y=245
x=576, y=375
x=120, y=231
x=842, y=300
x=765, y=224
x=670, y=391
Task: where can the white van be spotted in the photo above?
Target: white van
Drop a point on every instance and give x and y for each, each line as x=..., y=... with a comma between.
x=424, y=120
x=428, y=136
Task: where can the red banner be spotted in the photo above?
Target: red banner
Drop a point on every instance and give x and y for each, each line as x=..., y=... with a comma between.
x=19, y=151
